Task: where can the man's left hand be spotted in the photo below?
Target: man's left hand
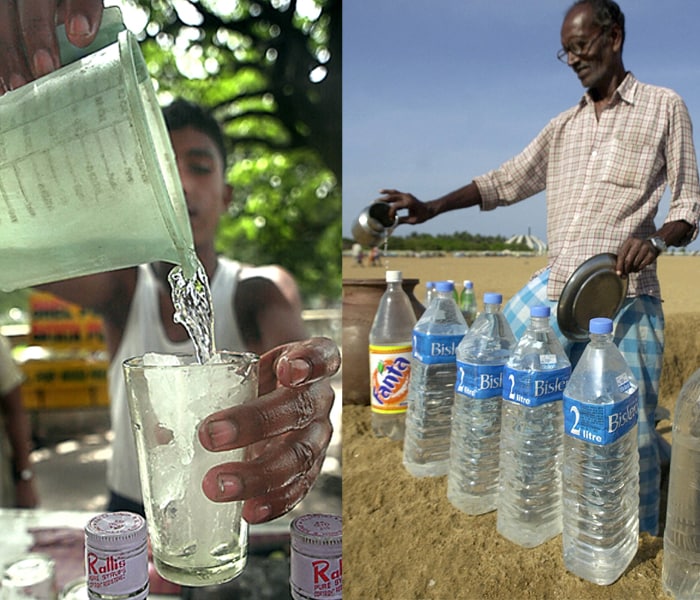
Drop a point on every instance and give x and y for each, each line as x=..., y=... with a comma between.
x=286, y=430
x=634, y=255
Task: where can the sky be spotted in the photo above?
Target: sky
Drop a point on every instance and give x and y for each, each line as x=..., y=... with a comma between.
x=435, y=93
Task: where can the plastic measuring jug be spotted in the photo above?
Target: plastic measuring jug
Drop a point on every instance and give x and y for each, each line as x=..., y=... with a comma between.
x=88, y=179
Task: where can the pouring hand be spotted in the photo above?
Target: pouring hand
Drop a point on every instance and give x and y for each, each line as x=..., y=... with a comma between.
x=286, y=430
x=418, y=212
x=28, y=46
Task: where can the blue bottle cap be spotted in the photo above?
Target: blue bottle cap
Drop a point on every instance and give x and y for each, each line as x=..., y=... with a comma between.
x=468, y=284
x=493, y=298
x=540, y=311
x=444, y=286
x=600, y=325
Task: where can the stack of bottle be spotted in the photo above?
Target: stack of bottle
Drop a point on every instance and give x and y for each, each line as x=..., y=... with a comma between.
x=554, y=451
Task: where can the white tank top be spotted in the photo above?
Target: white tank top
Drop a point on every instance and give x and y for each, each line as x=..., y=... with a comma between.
x=144, y=332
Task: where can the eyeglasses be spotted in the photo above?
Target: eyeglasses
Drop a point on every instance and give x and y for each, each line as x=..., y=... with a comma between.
x=578, y=50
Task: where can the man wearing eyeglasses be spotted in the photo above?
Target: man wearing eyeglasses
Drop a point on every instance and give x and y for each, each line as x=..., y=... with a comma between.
x=604, y=164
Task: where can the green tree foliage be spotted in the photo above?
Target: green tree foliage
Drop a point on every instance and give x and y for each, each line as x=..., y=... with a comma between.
x=461, y=241
x=270, y=71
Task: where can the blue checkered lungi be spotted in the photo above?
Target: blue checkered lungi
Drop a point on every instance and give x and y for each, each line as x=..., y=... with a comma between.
x=639, y=335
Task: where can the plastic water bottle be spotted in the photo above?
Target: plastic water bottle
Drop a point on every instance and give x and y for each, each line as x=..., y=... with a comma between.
x=472, y=480
x=429, y=292
x=431, y=386
x=680, y=572
x=467, y=302
x=532, y=432
x=600, y=473
x=390, y=359
x=455, y=293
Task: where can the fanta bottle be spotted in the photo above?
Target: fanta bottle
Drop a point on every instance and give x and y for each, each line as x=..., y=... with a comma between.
x=390, y=359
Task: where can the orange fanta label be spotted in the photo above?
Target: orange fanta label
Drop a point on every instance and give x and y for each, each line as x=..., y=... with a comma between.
x=390, y=368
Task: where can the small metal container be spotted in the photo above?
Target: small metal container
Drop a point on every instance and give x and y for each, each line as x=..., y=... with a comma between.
x=373, y=225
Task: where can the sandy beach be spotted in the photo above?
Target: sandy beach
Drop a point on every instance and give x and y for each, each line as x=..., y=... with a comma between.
x=402, y=538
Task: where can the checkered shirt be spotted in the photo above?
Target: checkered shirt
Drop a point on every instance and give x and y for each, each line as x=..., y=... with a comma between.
x=604, y=178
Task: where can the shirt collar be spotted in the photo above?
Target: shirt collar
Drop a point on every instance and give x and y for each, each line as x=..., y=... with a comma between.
x=625, y=91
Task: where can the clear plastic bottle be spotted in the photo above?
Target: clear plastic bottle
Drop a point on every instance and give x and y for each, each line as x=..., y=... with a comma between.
x=600, y=473
x=467, y=302
x=390, y=359
x=455, y=293
x=680, y=572
x=532, y=432
x=431, y=386
x=429, y=292
x=472, y=480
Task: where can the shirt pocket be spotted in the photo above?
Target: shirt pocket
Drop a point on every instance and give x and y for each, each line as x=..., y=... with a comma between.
x=628, y=165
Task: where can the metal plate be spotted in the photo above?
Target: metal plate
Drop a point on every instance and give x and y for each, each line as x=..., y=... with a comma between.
x=594, y=290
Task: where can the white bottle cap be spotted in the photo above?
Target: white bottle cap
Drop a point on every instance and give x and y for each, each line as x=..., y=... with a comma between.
x=116, y=530
x=393, y=276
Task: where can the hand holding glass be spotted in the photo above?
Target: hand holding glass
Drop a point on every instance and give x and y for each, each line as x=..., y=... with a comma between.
x=195, y=541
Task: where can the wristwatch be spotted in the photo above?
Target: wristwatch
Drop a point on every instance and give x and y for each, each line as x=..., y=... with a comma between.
x=658, y=243
x=23, y=474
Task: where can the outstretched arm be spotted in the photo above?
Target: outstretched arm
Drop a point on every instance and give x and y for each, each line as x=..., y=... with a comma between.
x=419, y=212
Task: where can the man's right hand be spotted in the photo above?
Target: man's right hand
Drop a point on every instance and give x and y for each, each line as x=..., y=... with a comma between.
x=418, y=212
x=28, y=46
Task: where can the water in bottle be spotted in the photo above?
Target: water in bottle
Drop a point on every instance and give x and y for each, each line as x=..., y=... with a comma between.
x=680, y=573
x=600, y=473
x=467, y=302
x=532, y=431
x=390, y=359
x=472, y=480
x=431, y=386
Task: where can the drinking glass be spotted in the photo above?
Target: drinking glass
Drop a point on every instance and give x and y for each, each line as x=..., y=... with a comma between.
x=194, y=540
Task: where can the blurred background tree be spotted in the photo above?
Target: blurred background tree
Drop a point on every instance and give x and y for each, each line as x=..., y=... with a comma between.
x=270, y=70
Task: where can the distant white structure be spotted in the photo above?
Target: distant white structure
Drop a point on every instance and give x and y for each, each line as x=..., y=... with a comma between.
x=533, y=242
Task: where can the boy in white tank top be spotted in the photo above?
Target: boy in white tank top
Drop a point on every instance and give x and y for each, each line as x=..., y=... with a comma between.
x=287, y=429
